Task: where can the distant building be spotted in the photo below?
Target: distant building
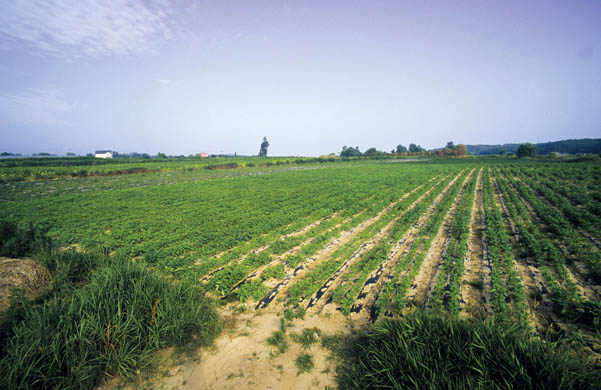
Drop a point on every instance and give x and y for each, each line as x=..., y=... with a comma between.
x=103, y=154
x=204, y=154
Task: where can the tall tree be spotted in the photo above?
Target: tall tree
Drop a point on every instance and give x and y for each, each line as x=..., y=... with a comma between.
x=526, y=150
x=413, y=148
x=401, y=149
x=264, y=146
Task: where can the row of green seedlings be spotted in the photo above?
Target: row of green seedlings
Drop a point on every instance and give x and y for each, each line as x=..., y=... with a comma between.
x=180, y=249
x=392, y=297
x=253, y=215
x=584, y=223
x=570, y=306
x=506, y=284
x=359, y=271
x=579, y=206
x=581, y=210
x=225, y=281
x=315, y=279
x=355, y=280
x=446, y=293
x=278, y=245
x=577, y=245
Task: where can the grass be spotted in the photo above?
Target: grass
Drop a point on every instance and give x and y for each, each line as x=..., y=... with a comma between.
x=100, y=316
x=278, y=338
x=304, y=363
x=21, y=240
x=426, y=351
x=307, y=337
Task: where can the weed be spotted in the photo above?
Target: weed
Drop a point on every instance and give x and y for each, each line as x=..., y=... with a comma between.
x=304, y=363
x=307, y=337
x=278, y=338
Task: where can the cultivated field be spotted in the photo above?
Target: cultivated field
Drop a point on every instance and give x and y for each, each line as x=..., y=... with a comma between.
x=515, y=242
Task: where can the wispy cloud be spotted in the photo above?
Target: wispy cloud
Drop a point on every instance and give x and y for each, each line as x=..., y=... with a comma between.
x=41, y=107
x=86, y=27
x=163, y=81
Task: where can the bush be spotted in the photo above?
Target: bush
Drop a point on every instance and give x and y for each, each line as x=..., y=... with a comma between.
x=112, y=325
x=20, y=241
x=432, y=352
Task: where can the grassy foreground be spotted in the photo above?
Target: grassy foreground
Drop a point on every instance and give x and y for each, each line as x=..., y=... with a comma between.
x=99, y=316
x=426, y=351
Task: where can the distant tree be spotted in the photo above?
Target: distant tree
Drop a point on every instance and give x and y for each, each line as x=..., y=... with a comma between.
x=70, y=154
x=264, y=146
x=349, y=151
x=372, y=152
x=526, y=150
x=460, y=150
x=413, y=148
x=161, y=155
x=450, y=145
x=401, y=149
x=502, y=152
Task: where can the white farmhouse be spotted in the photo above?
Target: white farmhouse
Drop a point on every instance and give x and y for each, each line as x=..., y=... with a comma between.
x=103, y=154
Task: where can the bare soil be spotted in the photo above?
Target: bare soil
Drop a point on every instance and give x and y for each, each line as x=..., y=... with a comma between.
x=473, y=289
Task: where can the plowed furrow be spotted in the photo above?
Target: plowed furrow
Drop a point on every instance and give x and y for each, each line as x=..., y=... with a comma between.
x=473, y=288
x=342, y=239
x=424, y=281
x=372, y=287
x=321, y=297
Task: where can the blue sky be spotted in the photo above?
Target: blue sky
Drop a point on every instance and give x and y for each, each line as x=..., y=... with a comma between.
x=187, y=76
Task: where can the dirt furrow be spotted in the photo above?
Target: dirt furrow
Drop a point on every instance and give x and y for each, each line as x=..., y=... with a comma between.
x=337, y=242
x=372, y=288
x=255, y=251
x=473, y=290
x=425, y=280
x=320, y=298
x=279, y=259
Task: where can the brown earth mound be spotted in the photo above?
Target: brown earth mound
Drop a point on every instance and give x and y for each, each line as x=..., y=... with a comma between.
x=29, y=276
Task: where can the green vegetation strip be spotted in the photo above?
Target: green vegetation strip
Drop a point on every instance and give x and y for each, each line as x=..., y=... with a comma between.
x=425, y=351
x=98, y=317
x=392, y=298
x=312, y=281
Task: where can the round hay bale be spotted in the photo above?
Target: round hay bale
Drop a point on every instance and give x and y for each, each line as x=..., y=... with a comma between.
x=27, y=275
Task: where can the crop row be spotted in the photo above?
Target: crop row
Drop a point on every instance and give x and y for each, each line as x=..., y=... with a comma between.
x=548, y=257
x=392, y=297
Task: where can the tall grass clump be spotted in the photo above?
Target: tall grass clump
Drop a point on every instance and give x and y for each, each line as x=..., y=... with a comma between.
x=18, y=240
x=109, y=321
x=424, y=351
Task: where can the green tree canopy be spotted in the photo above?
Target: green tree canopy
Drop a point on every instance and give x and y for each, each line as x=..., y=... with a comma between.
x=349, y=151
x=526, y=150
x=401, y=149
x=413, y=148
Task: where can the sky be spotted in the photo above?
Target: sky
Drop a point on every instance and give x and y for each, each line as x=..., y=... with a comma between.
x=216, y=76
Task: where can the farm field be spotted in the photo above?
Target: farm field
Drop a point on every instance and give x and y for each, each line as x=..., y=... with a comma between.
x=332, y=246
